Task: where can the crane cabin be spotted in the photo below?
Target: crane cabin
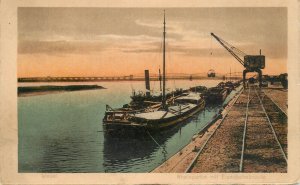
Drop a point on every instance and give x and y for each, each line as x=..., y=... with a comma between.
x=254, y=62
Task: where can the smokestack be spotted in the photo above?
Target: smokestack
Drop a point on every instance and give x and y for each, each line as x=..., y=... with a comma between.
x=147, y=81
x=260, y=52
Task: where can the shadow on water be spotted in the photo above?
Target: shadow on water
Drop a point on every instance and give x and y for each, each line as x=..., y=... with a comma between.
x=119, y=152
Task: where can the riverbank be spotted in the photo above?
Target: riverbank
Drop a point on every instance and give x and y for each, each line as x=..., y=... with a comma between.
x=47, y=89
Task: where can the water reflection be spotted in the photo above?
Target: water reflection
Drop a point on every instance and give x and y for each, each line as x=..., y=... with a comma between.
x=135, y=152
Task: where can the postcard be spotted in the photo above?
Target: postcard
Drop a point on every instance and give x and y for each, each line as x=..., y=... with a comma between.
x=149, y=92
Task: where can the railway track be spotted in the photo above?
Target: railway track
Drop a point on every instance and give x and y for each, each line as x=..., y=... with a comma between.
x=262, y=148
x=253, y=138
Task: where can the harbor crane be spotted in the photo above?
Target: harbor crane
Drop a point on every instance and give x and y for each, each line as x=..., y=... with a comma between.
x=252, y=63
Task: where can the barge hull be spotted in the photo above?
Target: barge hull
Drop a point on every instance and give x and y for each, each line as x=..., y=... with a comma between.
x=132, y=128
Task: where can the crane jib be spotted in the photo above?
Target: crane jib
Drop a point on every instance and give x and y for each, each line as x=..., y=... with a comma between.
x=250, y=62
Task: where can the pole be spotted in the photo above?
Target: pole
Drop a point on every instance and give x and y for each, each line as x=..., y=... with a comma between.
x=164, y=64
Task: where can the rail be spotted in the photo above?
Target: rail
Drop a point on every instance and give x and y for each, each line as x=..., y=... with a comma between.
x=190, y=167
x=270, y=124
x=257, y=96
x=284, y=112
x=244, y=133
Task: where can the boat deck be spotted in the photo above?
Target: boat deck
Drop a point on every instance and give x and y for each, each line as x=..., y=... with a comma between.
x=171, y=112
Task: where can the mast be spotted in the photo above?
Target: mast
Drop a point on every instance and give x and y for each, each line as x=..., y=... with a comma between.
x=164, y=65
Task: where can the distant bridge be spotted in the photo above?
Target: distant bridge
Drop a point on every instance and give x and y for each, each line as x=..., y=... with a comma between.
x=117, y=78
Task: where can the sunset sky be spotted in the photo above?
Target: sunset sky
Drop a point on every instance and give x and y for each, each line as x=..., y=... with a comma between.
x=123, y=41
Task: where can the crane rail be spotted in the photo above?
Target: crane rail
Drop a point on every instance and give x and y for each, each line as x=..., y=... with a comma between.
x=268, y=121
x=262, y=143
x=284, y=112
x=191, y=165
x=244, y=133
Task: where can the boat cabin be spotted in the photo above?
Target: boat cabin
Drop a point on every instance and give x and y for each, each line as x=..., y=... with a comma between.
x=193, y=98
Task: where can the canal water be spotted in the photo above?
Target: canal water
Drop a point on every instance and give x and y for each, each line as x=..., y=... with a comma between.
x=63, y=132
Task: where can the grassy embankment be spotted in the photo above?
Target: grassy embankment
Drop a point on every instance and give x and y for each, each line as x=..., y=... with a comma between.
x=38, y=90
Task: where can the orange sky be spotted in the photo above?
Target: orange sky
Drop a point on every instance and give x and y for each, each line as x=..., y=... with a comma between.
x=82, y=65
x=113, y=42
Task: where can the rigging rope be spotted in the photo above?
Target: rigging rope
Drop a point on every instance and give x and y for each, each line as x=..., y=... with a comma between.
x=132, y=89
x=233, y=48
x=152, y=138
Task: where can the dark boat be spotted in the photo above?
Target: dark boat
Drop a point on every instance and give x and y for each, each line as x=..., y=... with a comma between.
x=215, y=95
x=229, y=86
x=237, y=83
x=199, y=89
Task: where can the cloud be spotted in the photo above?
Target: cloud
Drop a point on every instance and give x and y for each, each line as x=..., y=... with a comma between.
x=59, y=47
x=100, y=43
x=126, y=38
x=140, y=44
x=149, y=50
x=181, y=50
x=140, y=30
x=149, y=23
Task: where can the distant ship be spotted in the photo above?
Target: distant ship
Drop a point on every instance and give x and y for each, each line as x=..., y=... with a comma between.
x=211, y=73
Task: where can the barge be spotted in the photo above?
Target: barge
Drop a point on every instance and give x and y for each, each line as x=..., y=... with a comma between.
x=153, y=118
x=215, y=95
x=152, y=113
